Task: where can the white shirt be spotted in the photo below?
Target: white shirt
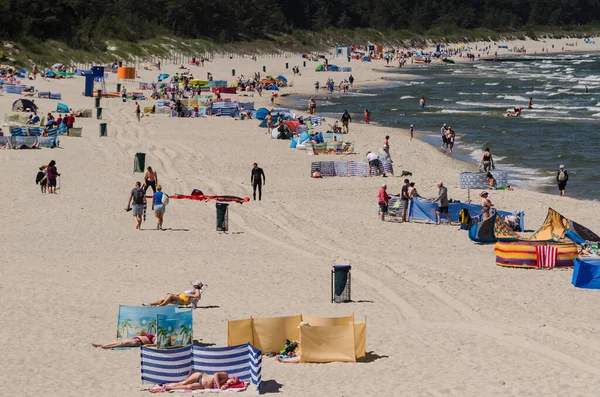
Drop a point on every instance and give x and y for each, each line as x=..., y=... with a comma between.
x=372, y=156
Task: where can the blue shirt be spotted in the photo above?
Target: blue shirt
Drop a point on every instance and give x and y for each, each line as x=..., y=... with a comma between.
x=158, y=198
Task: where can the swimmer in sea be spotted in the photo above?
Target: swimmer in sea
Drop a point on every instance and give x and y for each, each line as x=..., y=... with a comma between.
x=422, y=103
x=517, y=111
x=530, y=103
x=484, y=92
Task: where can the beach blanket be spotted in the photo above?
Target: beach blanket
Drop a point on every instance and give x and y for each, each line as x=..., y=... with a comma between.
x=202, y=197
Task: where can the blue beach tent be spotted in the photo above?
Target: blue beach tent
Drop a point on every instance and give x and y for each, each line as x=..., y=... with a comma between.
x=586, y=273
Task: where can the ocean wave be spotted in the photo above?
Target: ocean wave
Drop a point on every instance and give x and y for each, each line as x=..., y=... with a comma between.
x=407, y=97
x=492, y=83
x=485, y=105
x=444, y=83
x=458, y=111
x=512, y=97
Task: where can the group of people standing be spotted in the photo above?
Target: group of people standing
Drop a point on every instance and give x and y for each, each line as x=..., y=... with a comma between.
x=448, y=136
x=47, y=177
x=137, y=199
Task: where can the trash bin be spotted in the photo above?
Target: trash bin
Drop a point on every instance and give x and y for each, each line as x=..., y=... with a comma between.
x=139, y=162
x=222, y=217
x=103, y=131
x=99, y=94
x=287, y=65
x=304, y=63
x=233, y=72
x=341, y=282
x=97, y=99
x=99, y=113
x=264, y=69
x=118, y=87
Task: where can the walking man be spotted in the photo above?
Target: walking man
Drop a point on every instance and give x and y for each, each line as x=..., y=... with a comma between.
x=345, y=120
x=257, y=179
x=138, y=197
x=561, y=178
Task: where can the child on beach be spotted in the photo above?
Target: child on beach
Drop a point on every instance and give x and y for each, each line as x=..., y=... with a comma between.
x=367, y=116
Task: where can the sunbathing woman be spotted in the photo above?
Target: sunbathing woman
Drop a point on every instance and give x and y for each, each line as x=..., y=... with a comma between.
x=136, y=341
x=200, y=380
x=181, y=299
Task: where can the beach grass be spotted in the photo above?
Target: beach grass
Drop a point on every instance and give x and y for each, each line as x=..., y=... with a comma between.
x=166, y=47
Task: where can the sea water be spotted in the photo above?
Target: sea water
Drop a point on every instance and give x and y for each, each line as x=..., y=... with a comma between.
x=473, y=98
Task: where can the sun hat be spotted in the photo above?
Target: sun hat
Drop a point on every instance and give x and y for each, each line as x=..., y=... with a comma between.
x=483, y=194
x=561, y=166
x=197, y=283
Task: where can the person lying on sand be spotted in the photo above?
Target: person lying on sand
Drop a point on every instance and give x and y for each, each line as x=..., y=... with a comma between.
x=136, y=341
x=200, y=380
x=183, y=298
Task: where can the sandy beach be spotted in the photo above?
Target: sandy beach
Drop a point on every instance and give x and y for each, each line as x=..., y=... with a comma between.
x=443, y=319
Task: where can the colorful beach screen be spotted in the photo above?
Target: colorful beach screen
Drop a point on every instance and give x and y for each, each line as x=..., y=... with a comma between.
x=172, y=326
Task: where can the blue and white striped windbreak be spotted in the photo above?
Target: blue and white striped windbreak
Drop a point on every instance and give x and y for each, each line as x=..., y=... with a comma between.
x=170, y=366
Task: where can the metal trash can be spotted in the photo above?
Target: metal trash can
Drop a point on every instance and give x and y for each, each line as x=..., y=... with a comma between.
x=97, y=101
x=287, y=65
x=99, y=94
x=341, y=283
x=222, y=216
x=103, y=131
x=139, y=162
x=118, y=87
x=99, y=113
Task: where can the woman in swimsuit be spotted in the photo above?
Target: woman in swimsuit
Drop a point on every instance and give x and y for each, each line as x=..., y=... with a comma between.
x=487, y=161
x=200, y=380
x=136, y=341
x=486, y=205
x=183, y=298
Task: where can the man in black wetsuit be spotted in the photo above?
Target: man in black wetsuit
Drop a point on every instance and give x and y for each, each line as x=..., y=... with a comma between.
x=257, y=179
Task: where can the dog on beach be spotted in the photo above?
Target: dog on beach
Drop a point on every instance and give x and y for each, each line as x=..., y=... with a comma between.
x=406, y=173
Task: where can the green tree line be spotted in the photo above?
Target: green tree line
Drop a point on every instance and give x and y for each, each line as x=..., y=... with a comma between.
x=87, y=24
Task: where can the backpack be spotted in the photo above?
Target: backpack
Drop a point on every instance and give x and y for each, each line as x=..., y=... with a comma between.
x=561, y=175
x=138, y=197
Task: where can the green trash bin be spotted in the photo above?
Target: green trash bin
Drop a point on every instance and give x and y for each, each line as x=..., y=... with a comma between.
x=103, y=131
x=222, y=217
x=99, y=94
x=99, y=113
x=341, y=283
x=118, y=87
x=97, y=101
x=139, y=162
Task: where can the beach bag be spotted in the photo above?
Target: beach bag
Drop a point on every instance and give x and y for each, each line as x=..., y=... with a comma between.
x=561, y=175
x=165, y=199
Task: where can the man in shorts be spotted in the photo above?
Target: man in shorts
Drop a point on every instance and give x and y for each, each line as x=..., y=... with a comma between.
x=373, y=160
x=442, y=198
x=405, y=197
x=383, y=199
x=138, y=198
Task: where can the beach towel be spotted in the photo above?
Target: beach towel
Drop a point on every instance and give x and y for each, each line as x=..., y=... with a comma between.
x=240, y=386
x=546, y=256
